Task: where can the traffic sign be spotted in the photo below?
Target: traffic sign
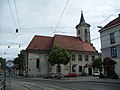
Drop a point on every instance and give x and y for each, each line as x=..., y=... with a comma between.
x=9, y=64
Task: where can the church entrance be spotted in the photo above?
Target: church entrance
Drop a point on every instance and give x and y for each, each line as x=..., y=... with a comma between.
x=89, y=71
x=109, y=67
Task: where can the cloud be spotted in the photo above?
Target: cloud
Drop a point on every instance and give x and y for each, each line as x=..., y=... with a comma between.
x=39, y=17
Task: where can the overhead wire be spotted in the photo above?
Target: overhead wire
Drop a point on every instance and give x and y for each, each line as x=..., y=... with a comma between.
x=57, y=22
x=106, y=19
x=61, y=16
x=17, y=15
x=12, y=13
x=94, y=39
x=13, y=21
x=19, y=28
x=12, y=40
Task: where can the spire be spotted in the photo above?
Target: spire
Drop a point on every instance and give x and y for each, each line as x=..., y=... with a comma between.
x=82, y=20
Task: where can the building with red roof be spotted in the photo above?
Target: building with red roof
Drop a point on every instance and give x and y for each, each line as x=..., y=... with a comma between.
x=110, y=47
x=79, y=47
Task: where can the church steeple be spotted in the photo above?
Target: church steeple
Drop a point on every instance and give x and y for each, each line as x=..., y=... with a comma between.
x=83, y=29
x=82, y=20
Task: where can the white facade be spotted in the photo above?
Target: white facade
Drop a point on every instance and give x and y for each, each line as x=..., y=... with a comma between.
x=106, y=45
x=45, y=67
x=33, y=69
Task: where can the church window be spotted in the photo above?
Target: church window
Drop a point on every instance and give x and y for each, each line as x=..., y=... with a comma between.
x=79, y=57
x=73, y=57
x=37, y=63
x=86, y=34
x=78, y=31
x=86, y=57
x=93, y=58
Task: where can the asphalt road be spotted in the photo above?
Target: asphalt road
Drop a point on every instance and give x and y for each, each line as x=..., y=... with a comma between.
x=34, y=84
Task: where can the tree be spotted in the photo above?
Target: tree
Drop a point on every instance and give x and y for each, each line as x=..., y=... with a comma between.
x=97, y=64
x=19, y=63
x=2, y=62
x=58, y=56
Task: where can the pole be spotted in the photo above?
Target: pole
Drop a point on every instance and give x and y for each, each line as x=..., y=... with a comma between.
x=10, y=78
x=4, y=78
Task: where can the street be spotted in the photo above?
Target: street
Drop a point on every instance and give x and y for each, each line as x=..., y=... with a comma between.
x=54, y=84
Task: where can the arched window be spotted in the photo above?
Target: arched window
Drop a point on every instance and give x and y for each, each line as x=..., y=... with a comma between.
x=86, y=35
x=37, y=63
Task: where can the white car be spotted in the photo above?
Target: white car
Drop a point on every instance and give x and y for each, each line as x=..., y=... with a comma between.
x=96, y=74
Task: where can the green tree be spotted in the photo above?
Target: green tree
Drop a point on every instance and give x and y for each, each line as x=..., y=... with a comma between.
x=58, y=56
x=19, y=63
x=97, y=62
x=2, y=62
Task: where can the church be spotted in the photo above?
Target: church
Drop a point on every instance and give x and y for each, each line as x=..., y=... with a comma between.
x=82, y=52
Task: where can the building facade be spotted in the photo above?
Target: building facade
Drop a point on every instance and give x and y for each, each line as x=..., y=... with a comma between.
x=110, y=45
x=82, y=52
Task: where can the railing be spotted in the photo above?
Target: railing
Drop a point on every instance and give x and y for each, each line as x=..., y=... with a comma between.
x=2, y=84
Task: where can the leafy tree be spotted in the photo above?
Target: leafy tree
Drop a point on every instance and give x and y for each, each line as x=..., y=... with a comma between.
x=97, y=63
x=19, y=64
x=58, y=56
x=2, y=61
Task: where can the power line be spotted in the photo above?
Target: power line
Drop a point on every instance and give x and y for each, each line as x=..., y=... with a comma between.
x=14, y=36
x=107, y=18
x=93, y=40
x=17, y=14
x=61, y=15
x=12, y=13
x=110, y=16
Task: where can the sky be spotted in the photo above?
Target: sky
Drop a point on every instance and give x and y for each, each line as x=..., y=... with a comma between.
x=50, y=17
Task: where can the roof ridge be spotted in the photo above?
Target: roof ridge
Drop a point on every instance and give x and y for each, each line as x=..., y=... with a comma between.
x=64, y=35
x=42, y=36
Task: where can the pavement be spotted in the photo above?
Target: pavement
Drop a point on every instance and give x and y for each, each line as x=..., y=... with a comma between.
x=16, y=86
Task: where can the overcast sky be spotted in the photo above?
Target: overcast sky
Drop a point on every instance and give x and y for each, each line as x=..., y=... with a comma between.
x=40, y=17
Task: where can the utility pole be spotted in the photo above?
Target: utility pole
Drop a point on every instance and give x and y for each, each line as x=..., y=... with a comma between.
x=4, y=78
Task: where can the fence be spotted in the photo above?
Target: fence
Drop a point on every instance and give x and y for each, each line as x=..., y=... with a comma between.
x=2, y=87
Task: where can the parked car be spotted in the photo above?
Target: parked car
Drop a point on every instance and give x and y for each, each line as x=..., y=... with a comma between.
x=51, y=75
x=71, y=75
x=95, y=74
x=59, y=75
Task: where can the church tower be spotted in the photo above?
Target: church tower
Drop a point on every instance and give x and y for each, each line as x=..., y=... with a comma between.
x=83, y=29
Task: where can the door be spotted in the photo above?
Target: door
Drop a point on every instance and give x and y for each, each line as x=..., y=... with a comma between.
x=89, y=71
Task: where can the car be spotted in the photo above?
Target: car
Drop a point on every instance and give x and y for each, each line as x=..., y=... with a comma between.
x=59, y=75
x=51, y=75
x=71, y=75
x=95, y=74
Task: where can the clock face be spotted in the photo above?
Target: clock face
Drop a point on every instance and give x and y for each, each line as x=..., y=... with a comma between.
x=9, y=64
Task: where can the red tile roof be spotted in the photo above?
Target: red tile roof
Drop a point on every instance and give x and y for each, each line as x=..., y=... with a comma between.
x=41, y=43
x=67, y=42
x=112, y=23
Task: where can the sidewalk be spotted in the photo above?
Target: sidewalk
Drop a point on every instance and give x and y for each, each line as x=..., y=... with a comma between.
x=14, y=86
x=94, y=79
x=85, y=79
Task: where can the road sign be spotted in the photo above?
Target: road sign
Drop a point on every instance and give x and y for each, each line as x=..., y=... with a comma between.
x=9, y=64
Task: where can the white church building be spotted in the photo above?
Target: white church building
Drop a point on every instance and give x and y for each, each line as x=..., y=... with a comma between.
x=81, y=50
